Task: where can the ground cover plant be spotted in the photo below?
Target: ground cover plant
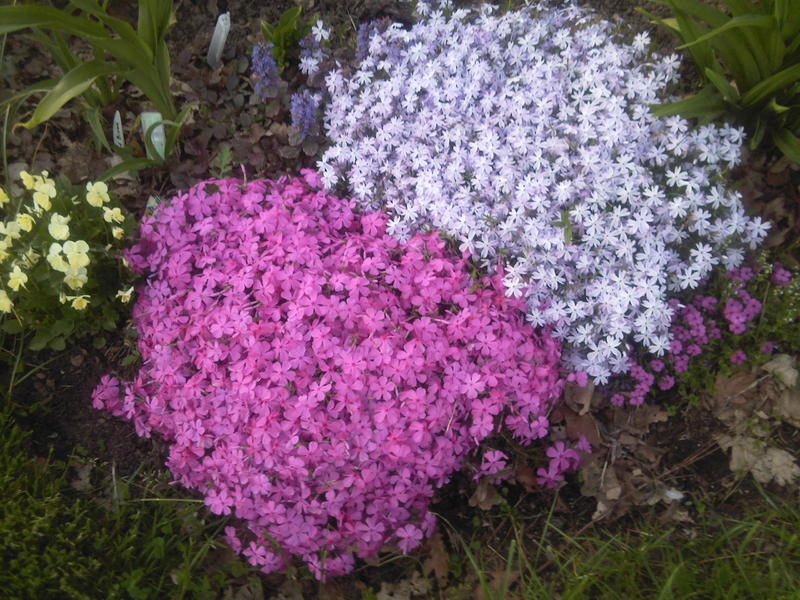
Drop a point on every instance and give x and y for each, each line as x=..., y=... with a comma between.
x=315, y=377
x=528, y=136
x=663, y=506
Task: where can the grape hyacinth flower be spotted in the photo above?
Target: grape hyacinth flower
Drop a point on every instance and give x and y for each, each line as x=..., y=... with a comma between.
x=265, y=69
x=304, y=111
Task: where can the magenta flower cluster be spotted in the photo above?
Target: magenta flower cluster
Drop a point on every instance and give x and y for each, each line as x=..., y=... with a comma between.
x=697, y=324
x=315, y=377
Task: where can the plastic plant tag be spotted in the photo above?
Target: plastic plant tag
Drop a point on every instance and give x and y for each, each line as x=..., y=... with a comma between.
x=116, y=131
x=218, y=40
x=157, y=138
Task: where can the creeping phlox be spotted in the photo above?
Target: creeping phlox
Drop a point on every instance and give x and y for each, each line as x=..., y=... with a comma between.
x=529, y=136
x=73, y=232
x=315, y=377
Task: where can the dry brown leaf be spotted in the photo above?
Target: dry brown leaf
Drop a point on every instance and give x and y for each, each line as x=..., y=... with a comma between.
x=599, y=480
x=579, y=398
x=727, y=389
x=438, y=560
x=581, y=425
x=787, y=406
x=764, y=463
x=524, y=475
x=485, y=496
x=783, y=368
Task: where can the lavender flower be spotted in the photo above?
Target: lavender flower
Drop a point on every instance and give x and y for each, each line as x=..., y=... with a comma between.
x=528, y=137
x=265, y=69
x=304, y=111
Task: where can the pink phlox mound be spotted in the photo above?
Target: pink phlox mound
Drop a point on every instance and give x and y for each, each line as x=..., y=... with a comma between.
x=315, y=377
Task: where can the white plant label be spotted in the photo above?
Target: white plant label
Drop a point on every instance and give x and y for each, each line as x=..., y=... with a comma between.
x=221, y=31
x=116, y=131
x=157, y=137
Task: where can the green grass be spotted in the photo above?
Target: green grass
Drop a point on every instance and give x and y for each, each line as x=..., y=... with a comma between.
x=123, y=538
x=756, y=556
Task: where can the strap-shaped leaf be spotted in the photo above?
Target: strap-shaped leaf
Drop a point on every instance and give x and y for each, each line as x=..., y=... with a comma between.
x=758, y=133
x=728, y=92
x=706, y=105
x=132, y=164
x=731, y=47
x=118, y=26
x=72, y=84
x=788, y=143
x=697, y=9
x=14, y=18
x=40, y=86
x=735, y=23
x=770, y=86
x=689, y=30
x=742, y=7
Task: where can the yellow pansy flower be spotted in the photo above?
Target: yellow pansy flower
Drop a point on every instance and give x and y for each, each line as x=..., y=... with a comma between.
x=27, y=180
x=77, y=253
x=97, y=194
x=76, y=278
x=56, y=260
x=58, y=227
x=25, y=221
x=11, y=230
x=5, y=302
x=118, y=233
x=125, y=295
x=3, y=197
x=113, y=215
x=80, y=302
x=17, y=279
x=46, y=187
x=42, y=202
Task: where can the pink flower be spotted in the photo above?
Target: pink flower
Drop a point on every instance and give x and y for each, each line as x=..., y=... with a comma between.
x=314, y=377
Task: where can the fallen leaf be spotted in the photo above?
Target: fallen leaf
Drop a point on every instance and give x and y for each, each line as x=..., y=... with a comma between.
x=579, y=398
x=787, y=406
x=782, y=368
x=728, y=388
x=581, y=425
x=438, y=560
x=485, y=495
x=763, y=462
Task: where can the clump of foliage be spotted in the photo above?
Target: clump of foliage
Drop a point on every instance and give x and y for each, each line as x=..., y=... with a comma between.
x=314, y=376
x=62, y=273
x=101, y=542
x=742, y=319
x=121, y=53
x=748, y=54
x=529, y=137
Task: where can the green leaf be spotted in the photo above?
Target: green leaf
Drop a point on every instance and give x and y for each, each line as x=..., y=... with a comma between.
x=735, y=23
x=57, y=344
x=700, y=10
x=11, y=327
x=788, y=143
x=14, y=18
x=62, y=327
x=729, y=93
x=706, y=104
x=40, y=86
x=70, y=85
x=132, y=164
x=758, y=133
x=94, y=117
x=770, y=86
